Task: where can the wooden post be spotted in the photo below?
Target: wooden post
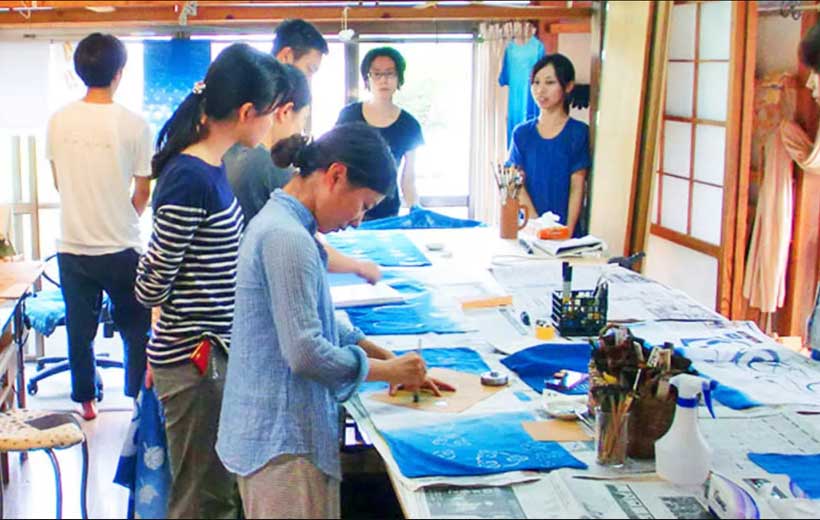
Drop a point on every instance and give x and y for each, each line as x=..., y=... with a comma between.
x=738, y=305
x=801, y=281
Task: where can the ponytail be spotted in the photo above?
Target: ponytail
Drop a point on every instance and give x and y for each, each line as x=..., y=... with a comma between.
x=239, y=75
x=178, y=133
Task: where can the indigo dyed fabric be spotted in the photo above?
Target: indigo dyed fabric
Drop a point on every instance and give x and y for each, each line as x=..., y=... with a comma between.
x=462, y=359
x=535, y=364
x=386, y=248
x=45, y=311
x=170, y=69
x=801, y=469
x=420, y=218
x=143, y=466
x=478, y=446
x=415, y=315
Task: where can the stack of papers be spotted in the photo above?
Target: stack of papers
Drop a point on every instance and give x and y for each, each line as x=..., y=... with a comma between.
x=364, y=294
x=571, y=247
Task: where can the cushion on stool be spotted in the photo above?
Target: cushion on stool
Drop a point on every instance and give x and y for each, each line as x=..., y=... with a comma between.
x=24, y=430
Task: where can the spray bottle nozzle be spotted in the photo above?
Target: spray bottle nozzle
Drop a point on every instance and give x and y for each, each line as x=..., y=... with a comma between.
x=708, y=387
x=689, y=389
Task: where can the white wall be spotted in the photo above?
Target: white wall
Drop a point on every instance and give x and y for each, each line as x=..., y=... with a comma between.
x=777, y=41
x=682, y=268
x=578, y=48
x=619, y=102
x=24, y=89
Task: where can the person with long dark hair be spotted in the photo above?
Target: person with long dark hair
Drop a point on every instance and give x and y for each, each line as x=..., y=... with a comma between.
x=189, y=270
x=292, y=362
x=553, y=149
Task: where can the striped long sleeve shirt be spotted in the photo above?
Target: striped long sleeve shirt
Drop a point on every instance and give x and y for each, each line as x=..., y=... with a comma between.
x=189, y=269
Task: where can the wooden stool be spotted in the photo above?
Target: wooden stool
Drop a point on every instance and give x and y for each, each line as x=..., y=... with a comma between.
x=29, y=430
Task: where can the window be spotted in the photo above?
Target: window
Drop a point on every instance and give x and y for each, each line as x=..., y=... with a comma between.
x=691, y=164
x=328, y=90
x=437, y=92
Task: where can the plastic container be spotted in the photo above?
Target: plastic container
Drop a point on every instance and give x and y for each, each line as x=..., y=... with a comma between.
x=682, y=456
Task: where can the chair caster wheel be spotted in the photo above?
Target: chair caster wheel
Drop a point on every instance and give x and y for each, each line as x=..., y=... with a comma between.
x=31, y=389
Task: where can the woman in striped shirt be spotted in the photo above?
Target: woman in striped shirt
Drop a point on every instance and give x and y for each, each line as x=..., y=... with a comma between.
x=189, y=270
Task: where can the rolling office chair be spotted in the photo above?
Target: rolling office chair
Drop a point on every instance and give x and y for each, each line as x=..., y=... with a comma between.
x=45, y=310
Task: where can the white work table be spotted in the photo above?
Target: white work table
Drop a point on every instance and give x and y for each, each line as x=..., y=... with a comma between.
x=632, y=492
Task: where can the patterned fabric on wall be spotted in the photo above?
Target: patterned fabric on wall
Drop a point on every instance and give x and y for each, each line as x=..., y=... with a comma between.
x=171, y=69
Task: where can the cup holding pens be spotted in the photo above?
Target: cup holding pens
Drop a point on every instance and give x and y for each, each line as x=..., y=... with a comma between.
x=611, y=437
x=511, y=221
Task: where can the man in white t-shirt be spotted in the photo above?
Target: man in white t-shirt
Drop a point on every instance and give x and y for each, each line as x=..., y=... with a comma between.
x=99, y=150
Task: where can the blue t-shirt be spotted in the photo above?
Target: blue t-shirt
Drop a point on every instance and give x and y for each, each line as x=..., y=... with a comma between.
x=403, y=136
x=549, y=163
x=515, y=74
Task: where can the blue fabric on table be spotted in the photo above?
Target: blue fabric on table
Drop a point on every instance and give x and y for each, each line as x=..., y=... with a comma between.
x=462, y=359
x=726, y=395
x=801, y=469
x=535, y=364
x=732, y=397
x=415, y=315
x=386, y=248
x=478, y=446
x=420, y=218
x=143, y=466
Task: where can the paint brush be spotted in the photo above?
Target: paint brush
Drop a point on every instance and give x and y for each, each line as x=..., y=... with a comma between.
x=416, y=392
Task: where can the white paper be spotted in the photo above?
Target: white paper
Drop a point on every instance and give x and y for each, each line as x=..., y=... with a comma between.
x=573, y=246
x=358, y=295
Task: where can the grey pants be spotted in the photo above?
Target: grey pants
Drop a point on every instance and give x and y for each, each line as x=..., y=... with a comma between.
x=290, y=486
x=201, y=486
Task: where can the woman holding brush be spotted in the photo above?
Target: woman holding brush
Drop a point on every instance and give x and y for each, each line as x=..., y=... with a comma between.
x=291, y=362
x=553, y=149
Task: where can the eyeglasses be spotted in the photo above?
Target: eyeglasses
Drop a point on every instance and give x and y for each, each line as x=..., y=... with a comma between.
x=379, y=75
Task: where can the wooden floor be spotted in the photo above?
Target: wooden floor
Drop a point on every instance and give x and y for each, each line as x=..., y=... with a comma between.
x=366, y=490
x=30, y=492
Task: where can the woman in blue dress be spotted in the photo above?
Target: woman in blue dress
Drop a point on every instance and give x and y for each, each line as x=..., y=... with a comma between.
x=553, y=149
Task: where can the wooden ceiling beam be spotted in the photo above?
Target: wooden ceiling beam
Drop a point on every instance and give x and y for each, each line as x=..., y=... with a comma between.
x=207, y=14
x=581, y=26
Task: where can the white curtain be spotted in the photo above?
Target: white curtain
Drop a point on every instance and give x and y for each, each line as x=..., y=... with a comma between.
x=489, y=114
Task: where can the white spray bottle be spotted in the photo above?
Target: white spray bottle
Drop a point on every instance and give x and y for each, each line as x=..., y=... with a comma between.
x=682, y=456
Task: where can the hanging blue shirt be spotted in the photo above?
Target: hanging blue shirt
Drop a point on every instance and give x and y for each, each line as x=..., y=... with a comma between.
x=549, y=163
x=515, y=74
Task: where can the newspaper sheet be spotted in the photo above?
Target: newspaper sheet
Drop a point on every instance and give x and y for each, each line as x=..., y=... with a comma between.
x=739, y=355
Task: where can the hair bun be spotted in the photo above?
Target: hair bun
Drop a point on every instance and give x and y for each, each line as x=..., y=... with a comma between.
x=290, y=151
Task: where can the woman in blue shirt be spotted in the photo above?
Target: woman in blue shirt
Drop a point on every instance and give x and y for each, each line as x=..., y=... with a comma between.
x=553, y=149
x=292, y=362
x=382, y=70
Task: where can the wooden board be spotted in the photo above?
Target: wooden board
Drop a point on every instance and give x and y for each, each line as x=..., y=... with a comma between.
x=469, y=391
x=556, y=430
x=17, y=277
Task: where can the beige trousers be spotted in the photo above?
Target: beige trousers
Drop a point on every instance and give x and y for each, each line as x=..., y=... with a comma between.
x=290, y=486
